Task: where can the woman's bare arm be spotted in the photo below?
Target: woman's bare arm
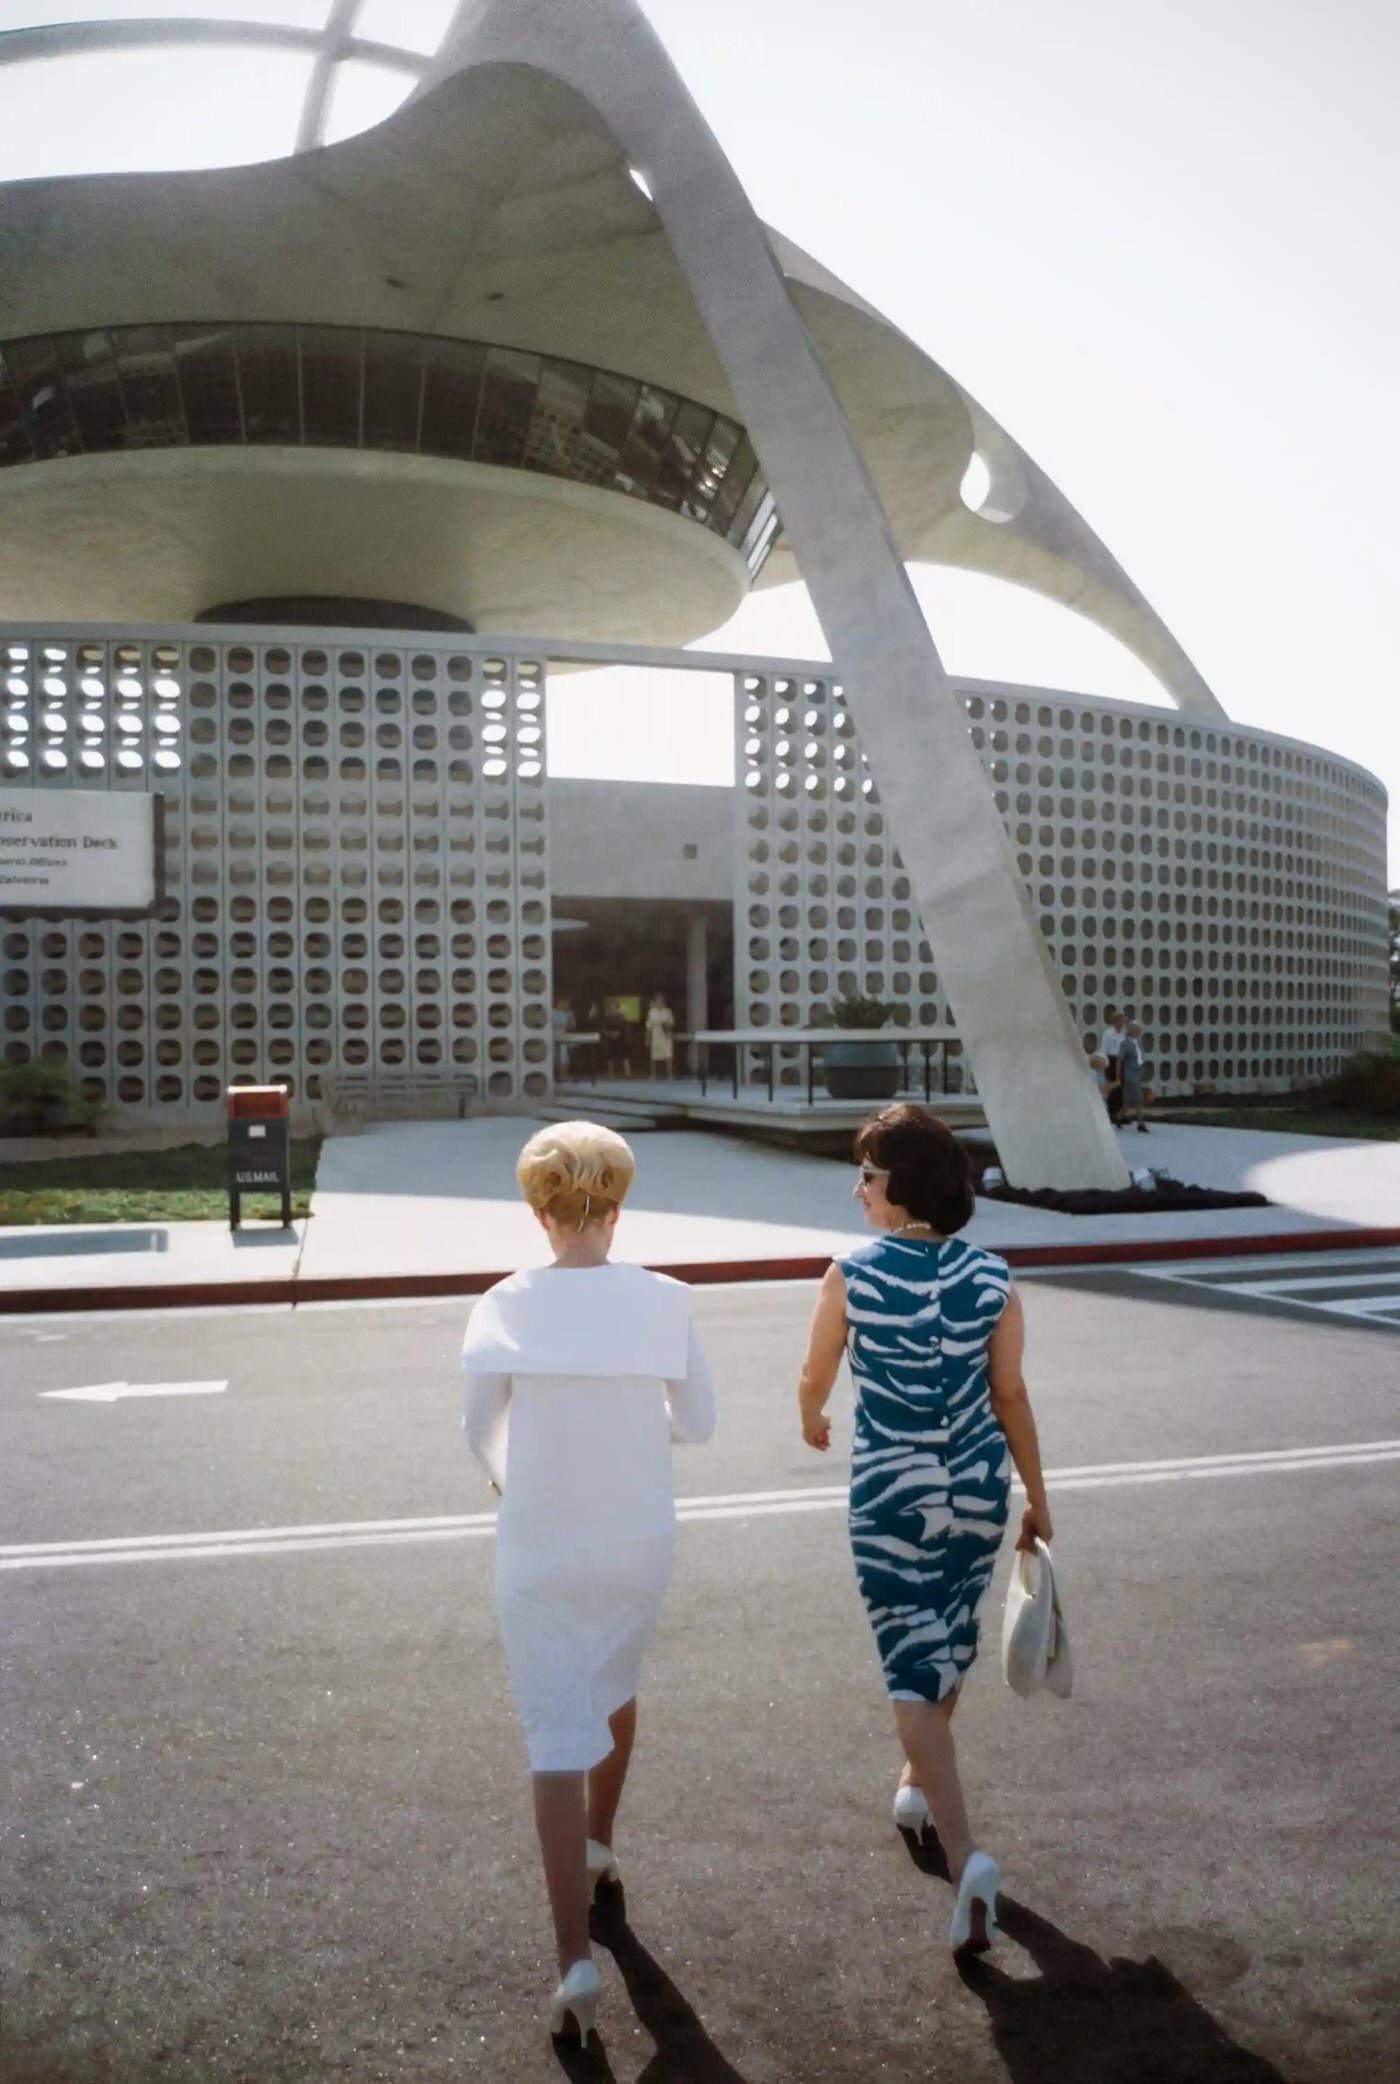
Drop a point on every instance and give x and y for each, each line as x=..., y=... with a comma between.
x=485, y=1405
x=826, y=1342
x=1012, y=1406
x=690, y=1401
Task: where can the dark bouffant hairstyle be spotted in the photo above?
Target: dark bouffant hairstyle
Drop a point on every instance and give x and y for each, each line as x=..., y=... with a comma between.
x=928, y=1168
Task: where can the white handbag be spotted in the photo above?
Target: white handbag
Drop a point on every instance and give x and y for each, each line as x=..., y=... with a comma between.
x=1035, y=1651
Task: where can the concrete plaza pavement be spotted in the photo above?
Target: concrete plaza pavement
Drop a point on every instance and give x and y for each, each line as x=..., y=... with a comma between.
x=411, y=1200
x=269, y=1814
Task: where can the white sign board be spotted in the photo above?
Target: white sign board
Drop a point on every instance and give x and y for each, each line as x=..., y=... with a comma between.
x=72, y=851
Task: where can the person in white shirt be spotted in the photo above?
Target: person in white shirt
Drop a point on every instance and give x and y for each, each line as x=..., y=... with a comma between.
x=1110, y=1044
x=579, y=1375
x=661, y=1031
x=1130, y=1079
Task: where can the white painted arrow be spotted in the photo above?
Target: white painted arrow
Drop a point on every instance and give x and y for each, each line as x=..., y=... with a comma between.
x=111, y=1392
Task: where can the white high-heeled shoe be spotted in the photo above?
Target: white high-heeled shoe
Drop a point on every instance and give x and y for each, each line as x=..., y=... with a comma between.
x=981, y=1878
x=577, y=1994
x=911, y=1811
x=602, y=1866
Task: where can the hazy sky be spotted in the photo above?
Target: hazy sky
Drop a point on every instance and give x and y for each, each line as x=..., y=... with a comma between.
x=1156, y=240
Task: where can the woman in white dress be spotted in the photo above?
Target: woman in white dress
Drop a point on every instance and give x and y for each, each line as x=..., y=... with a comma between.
x=661, y=1034
x=579, y=1375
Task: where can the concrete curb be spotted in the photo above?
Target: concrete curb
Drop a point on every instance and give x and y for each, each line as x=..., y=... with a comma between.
x=698, y=1273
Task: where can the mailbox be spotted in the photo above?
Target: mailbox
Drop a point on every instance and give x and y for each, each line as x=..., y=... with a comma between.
x=259, y=1147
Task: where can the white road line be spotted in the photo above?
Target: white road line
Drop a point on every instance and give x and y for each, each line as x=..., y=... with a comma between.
x=836, y=1492
x=740, y=1505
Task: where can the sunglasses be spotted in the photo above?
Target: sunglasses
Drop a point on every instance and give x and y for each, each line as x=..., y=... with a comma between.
x=870, y=1172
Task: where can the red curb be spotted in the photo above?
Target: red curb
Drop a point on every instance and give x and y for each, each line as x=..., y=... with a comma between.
x=696, y=1273
x=1103, y=1252
x=48, y=1302
x=190, y=1295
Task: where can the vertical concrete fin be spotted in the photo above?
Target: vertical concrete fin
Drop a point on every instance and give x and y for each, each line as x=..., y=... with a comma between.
x=1041, y=1101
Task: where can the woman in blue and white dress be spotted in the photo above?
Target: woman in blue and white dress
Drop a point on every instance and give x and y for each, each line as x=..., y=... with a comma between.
x=935, y=1336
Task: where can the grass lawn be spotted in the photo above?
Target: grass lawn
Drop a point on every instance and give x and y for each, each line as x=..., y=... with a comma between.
x=1288, y=1121
x=175, y=1186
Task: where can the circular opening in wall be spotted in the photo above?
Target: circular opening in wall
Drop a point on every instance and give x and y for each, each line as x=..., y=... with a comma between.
x=993, y=493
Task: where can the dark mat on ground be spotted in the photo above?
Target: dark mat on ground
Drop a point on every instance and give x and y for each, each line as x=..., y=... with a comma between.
x=1167, y=1197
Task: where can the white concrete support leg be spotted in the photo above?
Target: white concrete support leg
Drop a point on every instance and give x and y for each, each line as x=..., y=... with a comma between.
x=1031, y=1069
x=697, y=978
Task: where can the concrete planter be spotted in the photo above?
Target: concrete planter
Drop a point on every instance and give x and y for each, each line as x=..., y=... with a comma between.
x=861, y=1070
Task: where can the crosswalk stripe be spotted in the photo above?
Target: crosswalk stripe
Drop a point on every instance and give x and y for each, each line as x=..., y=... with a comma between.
x=1387, y=1261
x=1296, y=1284
x=1367, y=1293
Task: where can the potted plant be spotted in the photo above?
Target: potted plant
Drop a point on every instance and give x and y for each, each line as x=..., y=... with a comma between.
x=40, y=1097
x=859, y=1070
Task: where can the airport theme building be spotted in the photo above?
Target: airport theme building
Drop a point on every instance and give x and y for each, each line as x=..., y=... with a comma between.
x=315, y=470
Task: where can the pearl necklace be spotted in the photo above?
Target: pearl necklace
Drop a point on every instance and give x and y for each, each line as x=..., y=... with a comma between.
x=900, y=1229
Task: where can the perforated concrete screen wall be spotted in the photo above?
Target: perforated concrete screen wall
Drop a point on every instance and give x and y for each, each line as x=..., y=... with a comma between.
x=1225, y=887
x=357, y=870
x=357, y=878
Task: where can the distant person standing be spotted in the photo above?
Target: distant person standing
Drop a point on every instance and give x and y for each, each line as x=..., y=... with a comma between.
x=1110, y=1044
x=564, y=1025
x=1130, y=1079
x=661, y=1036
x=613, y=1030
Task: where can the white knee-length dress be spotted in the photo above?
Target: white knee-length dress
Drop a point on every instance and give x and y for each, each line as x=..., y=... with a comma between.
x=578, y=1379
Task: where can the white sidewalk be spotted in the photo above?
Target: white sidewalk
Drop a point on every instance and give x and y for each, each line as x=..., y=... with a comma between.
x=439, y=1198
x=427, y=1197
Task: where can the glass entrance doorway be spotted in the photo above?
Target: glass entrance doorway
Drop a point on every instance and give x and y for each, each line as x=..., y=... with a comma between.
x=623, y=951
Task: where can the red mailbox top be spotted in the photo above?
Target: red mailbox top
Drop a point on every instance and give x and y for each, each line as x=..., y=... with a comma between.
x=256, y=1102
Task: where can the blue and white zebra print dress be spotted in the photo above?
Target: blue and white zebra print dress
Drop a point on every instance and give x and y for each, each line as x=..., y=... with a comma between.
x=930, y=1469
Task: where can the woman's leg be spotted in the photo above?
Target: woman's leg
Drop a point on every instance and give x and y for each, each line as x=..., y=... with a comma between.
x=605, y=1782
x=928, y=1745
x=559, y=1819
x=950, y=1709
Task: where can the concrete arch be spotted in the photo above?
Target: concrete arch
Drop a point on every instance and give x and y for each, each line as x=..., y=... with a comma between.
x=1035, y=537
x=1040, y=1097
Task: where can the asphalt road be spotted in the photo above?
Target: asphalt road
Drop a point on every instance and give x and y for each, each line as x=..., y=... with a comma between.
x=266, y=1809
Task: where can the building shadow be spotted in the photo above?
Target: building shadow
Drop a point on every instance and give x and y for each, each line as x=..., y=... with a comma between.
x=685, y=2054
x=1084, y=2020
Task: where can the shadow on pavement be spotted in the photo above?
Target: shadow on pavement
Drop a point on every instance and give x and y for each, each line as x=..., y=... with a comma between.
x=685, y=2054
x=43, y=1243
x=925, y=1849
x=1100, y=2022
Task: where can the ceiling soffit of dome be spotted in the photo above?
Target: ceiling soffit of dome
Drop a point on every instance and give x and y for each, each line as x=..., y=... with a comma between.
x=497, y=206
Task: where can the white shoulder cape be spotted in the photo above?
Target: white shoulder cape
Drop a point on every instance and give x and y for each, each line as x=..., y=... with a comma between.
x=597, y=1320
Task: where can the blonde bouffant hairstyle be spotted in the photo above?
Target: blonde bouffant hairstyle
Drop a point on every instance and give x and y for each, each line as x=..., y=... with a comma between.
x=575, y=1173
